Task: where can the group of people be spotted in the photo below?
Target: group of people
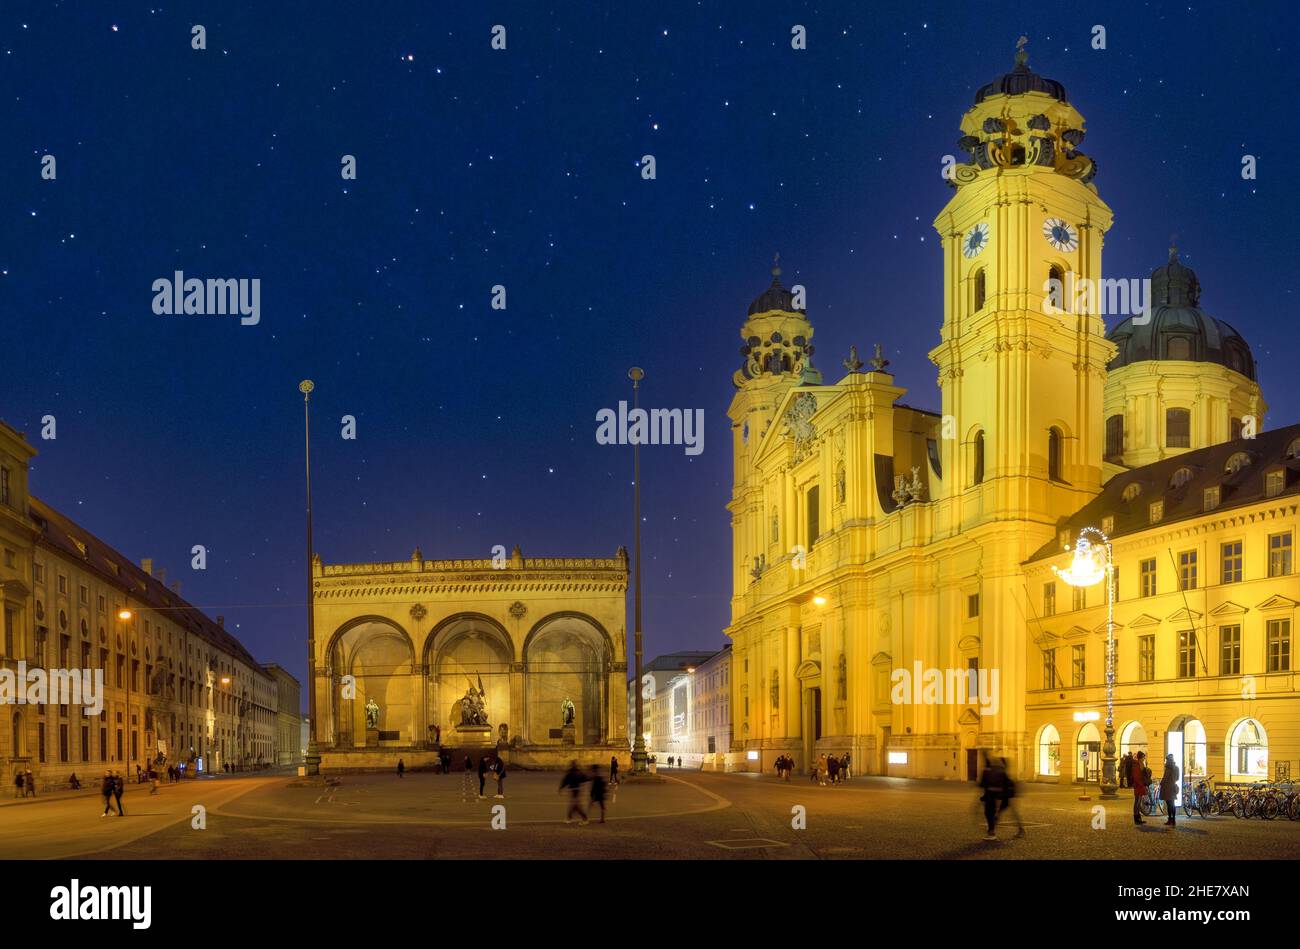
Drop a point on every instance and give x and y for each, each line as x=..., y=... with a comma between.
x=1135, y=773
x=25, y=784
x=111, y=790
x=573, y=781
x=830, y=768
x=674, y=761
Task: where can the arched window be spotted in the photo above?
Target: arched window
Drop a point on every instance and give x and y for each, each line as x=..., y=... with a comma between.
x=1178, y=428
x=1178, y=347
x=1180, y=477
x=1293, y=449
x=1248, y=751
x=977, y=459
x=1238, y=461
x=1131, y=491
x=1115, y=437
x=979, y=289
x=1054, y=454
x=1056, y=282
x=1049, y=751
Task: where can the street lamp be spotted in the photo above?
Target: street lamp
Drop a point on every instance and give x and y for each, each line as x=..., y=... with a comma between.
x=1091, y=565
x=640, y=759
x=313, y=752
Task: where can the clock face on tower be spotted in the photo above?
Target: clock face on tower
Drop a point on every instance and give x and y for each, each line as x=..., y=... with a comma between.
x=976, y=240
x=1060, y=235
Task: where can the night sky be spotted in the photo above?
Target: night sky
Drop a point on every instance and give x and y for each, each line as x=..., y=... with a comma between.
x=477, y=167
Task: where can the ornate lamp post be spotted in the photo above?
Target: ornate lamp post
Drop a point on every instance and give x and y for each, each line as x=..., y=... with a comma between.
x=313, y=751
x=639, y=756
x=1091, y=565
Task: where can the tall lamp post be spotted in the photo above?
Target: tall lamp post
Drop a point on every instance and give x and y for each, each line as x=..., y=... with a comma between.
x=313, y=751
x=1092, y=564
x=639, y=756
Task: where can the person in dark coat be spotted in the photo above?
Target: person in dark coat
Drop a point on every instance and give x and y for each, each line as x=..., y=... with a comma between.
x=1125, y=767
x=73, y=782
x=482, y=774
x=106, y=789
x=597, y=792
x=401, y=768
x=1169, y=789
x=469, y=765
x=833, y=765
x=18, y=784
x=572, y=782
x=1138, y=775
x=613, y=770
x=118, y=787
x=29, y=784
x=993, y=783
x=1009, y=797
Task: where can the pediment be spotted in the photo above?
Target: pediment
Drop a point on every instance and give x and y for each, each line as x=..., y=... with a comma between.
x=1229, y=609
x=1146, y=619
x=808, y=670
x=968, y=716
x=1101, y=628
x=1075, y=632
x=969, y=642
x=1277, y=602
x=881, y=658
x=776, y=434
x=1184, y=615
x=1046, y=639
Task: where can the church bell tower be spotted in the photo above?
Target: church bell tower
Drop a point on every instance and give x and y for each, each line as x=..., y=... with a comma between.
x=1022, y=363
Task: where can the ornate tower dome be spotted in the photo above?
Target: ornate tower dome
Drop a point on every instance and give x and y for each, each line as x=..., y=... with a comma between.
x=777, y=337
x=1180, y=378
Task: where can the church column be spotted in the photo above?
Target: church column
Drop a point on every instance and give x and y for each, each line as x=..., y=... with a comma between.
x=419, y=731
x=517, y=715
x=791, y=707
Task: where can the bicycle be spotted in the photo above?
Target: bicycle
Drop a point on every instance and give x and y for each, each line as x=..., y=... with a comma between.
x=1197, y=797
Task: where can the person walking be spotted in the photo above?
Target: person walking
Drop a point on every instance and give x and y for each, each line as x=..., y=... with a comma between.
x=153, y=780
x=499, y=770
x=482, y=774
x=598, y=792
x=1138, y=777
x=1009, y=798
x=993, y=783
x=401, y=768
x=29, y=784
x=833, y=765
x=106, y=789
x=1125, y=765
x=1169, y=789
x=118, y=787
x=572, y=782
x=18, y=784
x=844, y=766
x=73, y=782
x=613, y=771
x=822, y=766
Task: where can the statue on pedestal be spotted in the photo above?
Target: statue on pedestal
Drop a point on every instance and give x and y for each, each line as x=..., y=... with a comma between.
x=473, y=707
x=567, y=711
x=372, y=713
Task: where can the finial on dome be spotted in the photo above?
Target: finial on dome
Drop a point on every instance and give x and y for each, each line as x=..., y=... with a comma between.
x=1022, y=57
x=776, y=264
x=1173, y=247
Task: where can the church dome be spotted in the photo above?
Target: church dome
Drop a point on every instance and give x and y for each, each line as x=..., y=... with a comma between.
x=1020, y=80
x=1178, y=329
x=775, y=297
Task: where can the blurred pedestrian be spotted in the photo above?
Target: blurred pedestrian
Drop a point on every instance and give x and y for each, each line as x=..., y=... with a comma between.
x=572, y=782
x=598, y=792
x=401, y=768
x=1009, y=797
x=106, y=789
x=482, y=774
x=29, y=784
x=845, y=771
x=993, y=783
x=118, y=787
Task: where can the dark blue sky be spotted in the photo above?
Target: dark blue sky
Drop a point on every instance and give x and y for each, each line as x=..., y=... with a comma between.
x=476, y=426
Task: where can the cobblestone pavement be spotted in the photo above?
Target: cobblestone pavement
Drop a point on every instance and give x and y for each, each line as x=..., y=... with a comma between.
x=685, y=815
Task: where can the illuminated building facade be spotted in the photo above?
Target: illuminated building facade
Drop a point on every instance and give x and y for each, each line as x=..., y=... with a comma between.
x=875, y=543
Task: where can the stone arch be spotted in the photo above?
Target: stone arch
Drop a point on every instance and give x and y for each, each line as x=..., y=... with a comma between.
x=379, y=655
x=463, y=649
x=568, y=655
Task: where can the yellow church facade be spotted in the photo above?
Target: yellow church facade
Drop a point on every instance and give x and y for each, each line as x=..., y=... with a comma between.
x=891, y=564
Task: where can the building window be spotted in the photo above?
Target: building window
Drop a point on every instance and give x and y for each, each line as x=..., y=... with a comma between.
x=1049, y=598
x=1279, y=645
x=1108, y=525
x=1078, y=665
x=1187, y=570
x=1236, y=463
x=83, y=595
x=1131, y=490
x=40, y=741
x=85, y=742
x=1114, y=437
x=814, y=520
x=972, y=606
x=1187, y=654
x=977, y=461
x=1229, y=650
x=1080, y=597
x=1114, y=582
x=1211, y=498
x=1147, y=569
x=63, y=742
x=1279, y=554
x=979, y=289
x=63, y=584
x=1146, y=658
x=1054, y=454
x=1274, y=483
x=1157, y=511
x=1230, y=560
x=1178, y=428
x=1049, y=669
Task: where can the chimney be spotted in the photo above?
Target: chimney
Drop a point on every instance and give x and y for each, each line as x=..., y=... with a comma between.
x=221, y=621
x=147, y=565
x=162, y=574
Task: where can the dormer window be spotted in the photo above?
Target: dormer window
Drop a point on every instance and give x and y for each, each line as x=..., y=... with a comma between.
x=1157, y=511
x=1108, y=525
x=1293, y=449
x=1131, y=491
x=1180, y=477
x=1238, y=461
x=1274, y=483
x=1211, y=498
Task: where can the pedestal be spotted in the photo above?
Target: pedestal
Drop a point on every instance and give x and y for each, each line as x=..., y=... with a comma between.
x=567, y=735
x=475, y=736
x=372, y=737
